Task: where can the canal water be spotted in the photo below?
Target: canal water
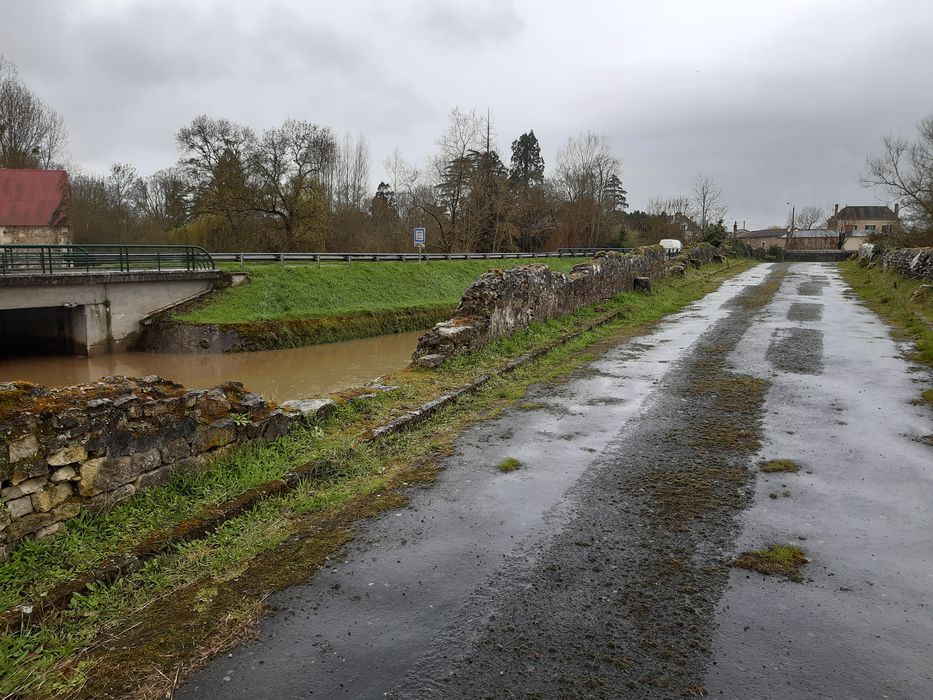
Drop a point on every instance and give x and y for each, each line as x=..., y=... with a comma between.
x=276, y=374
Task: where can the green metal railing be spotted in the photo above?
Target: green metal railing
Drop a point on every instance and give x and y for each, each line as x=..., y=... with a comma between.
x=69, y=259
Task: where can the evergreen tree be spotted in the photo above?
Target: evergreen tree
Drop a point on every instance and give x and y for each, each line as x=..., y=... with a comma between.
x=527, y=167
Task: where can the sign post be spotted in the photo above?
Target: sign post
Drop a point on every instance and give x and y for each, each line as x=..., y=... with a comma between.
x=420, y=238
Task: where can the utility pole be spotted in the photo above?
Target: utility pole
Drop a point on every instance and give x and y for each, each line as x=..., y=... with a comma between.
x=790, y=234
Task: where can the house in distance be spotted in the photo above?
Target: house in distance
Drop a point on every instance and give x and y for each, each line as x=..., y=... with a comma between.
x=857, y=223
x=34, y=207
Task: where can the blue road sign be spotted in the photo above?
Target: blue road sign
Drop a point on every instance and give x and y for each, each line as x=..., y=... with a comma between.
x=420, y=236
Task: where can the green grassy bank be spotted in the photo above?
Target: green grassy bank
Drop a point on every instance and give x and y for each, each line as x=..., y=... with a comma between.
x=901, y=302
x=136, y=636
x=305, y=304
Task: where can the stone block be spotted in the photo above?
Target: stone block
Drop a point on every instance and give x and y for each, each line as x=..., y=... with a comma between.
x=213, y=403
x=49, y=530
x=430, y=361
x=10, y=492
x=90, y=470
x=156, y=477
x=108, y=473
x=66, y=511
x=27, y=525
x=64, y=474
x=108, y=499
x=23, y=448
x=71, y=454
x=31, y=485
x=20, y=507
x=276, y=425
x=195, y=463
x=46, y=499
x=26, y=471
x=310, y=409
x=217, y=434
x=173, y=450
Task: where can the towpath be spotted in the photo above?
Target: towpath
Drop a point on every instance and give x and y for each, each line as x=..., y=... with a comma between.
x=600, y=568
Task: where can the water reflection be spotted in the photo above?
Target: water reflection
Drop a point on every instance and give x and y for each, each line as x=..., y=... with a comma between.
x=276, y=374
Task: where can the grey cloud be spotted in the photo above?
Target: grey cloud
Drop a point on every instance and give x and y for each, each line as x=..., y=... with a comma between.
x=780, y=101
x=472, y=22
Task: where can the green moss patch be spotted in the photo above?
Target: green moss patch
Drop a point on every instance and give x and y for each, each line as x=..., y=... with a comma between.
x=509, y=464
x=780, y=465
x=777, y=560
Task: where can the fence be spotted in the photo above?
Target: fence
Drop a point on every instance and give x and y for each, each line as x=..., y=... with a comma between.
x=69, y=259
x=349, y=258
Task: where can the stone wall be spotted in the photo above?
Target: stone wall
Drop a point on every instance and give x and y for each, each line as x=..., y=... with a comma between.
x=916, y=263
x=502, y=301
x=92, y=446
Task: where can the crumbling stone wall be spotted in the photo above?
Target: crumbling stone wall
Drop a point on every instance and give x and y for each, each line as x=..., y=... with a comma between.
x=916, y=263
x=92, y=446
x=502, y=301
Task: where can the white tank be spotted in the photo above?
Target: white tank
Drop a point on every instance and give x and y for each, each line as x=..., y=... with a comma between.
x=671, y=245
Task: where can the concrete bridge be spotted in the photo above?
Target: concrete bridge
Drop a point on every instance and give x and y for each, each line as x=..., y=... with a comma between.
x=89, y=300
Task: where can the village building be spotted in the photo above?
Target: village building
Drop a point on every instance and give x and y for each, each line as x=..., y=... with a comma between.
x=812, y=239
x=34, y=207
x=857, y=223
x=762, y=238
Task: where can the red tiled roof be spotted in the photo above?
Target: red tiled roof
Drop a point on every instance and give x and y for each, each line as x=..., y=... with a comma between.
x=34, y=198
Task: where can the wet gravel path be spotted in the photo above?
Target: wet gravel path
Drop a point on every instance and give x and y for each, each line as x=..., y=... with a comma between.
x=621, y=601
x=599, y=569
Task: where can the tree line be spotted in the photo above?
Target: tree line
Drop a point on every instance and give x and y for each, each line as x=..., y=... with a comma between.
x=302, y=186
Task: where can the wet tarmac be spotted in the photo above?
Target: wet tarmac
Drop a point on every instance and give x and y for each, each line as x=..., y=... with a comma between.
x=597, y=569
x=861, y=507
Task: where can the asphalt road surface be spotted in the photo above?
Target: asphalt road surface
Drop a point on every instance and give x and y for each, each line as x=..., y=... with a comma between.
x=600, y=568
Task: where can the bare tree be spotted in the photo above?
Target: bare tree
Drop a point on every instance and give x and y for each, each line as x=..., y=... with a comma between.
x=905, y=170
x=586, y=176
x=678, y=204
x=289, y=166
x=32, y=134
x=808, y=217
x=353, y=173
x=708, y=200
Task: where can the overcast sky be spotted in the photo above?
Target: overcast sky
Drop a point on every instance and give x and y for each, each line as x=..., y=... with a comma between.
x=780, y=100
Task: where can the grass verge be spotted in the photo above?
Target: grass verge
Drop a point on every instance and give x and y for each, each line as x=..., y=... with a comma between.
x=899, y=301
x=130, y=637
x=274, y=292
x=282, y=307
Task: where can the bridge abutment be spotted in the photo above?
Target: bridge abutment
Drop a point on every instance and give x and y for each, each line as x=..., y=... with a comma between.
x=90, y=314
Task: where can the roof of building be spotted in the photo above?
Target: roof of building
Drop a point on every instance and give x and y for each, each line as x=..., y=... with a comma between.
x=816, y=233
x=762, y=233
x=862, y=213
x=34, y=198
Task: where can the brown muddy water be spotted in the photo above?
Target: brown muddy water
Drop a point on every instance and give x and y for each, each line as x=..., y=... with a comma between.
x=276, y=374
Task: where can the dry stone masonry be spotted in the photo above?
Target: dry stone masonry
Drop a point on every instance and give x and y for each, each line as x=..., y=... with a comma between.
x=502, y=301
x=92, y=446
x=916, y=263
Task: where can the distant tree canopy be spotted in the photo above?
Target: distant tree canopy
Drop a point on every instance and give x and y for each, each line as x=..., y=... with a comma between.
x=301, y=186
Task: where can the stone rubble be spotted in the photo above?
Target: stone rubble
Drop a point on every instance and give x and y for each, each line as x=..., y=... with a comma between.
x=92, y=446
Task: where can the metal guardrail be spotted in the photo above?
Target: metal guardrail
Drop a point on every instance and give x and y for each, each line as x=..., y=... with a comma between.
x=349, y=258
x=25, y=259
